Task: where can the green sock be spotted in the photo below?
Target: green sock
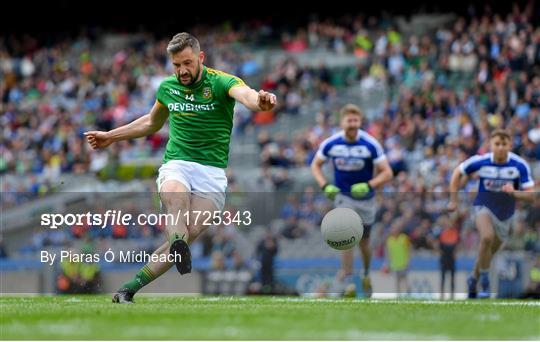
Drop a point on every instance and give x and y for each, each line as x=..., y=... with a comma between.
x=142, y=278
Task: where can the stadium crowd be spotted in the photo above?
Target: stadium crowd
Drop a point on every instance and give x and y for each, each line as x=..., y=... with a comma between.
x=448, y=89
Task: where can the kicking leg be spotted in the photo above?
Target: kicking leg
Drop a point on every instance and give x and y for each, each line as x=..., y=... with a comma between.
x=175, y=197
x=193, y=231
x=146, y=275
x=153, y=270
x=197, y=225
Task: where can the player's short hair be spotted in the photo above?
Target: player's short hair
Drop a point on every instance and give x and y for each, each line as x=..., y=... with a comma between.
x=501, y=133
x=181, y=41
x=350, y=109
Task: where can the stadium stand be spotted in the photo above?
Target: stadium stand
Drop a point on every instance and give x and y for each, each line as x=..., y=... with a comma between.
x=432, y=90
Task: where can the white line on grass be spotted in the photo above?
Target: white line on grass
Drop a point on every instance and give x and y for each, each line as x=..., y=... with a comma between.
x=406, y=301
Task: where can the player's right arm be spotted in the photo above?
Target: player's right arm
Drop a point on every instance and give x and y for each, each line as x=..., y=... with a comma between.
x=459, y=178
x=143, y=126
x=316, y=170
x=455, y=182
x=330, y=190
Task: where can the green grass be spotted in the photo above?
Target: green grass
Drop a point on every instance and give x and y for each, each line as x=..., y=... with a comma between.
x=233, y=318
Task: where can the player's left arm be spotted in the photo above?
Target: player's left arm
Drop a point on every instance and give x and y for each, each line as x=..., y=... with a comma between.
x=526, y=191
x=255, y=101
x=383, y=173
x=527, y=194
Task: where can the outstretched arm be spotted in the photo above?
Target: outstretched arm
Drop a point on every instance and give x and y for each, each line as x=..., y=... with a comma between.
x=255, y=101
x=143, y=126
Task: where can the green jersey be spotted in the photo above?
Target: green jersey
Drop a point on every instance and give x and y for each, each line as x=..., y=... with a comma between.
x=200, y=117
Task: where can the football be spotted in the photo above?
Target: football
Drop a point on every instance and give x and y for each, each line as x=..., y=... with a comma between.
x=342, y=228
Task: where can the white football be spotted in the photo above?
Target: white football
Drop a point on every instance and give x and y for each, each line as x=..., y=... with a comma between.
x=342, y=228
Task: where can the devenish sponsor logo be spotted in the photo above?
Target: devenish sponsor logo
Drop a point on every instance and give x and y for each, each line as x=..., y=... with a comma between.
x=190, y=107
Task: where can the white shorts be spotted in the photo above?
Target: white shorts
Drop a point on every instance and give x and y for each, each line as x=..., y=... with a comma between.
x=201, y=180
x=365, y=208
x=502, y=228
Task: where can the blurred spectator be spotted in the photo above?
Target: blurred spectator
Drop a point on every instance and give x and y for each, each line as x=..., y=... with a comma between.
x=266, y=252
x=420, y=235
x=533, y=287
x=291, y=208
x=292, y=228
x=447, y=239
x=217, y=261
x=78, y=277
x=238, y=262
x=223, y=242
x=3, y=252
x=398, y=255
x=533, y=215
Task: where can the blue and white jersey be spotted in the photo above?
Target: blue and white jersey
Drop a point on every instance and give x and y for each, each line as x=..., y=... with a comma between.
x=492, y=178
x=354, y=162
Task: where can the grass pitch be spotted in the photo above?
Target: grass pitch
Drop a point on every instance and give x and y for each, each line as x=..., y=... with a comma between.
x=269, y=318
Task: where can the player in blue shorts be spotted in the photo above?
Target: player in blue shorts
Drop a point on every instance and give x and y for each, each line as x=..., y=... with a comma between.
x=360, y=167
x=504, y=177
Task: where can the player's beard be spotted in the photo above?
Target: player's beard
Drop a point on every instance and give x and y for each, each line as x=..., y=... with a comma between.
x=351, y=133
x=193, y=77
